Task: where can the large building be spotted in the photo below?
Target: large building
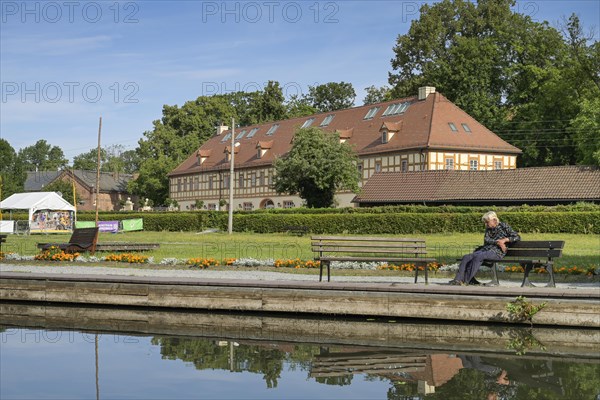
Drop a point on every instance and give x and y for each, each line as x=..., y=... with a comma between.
x=418, y=133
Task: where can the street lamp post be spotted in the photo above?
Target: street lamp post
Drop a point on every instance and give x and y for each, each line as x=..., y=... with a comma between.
x=231, y=180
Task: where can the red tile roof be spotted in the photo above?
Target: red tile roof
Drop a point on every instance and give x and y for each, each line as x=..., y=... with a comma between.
x=542, y=184
x=423, y=125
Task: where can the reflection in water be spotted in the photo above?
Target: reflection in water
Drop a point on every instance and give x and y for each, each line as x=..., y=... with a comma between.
x=230, y=356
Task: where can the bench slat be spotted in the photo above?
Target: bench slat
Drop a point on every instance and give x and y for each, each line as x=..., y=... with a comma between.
x=367, y=239
x=512, y=252
x=403, y=245
x=354, y=250
x=536, y=244
x=401, y=259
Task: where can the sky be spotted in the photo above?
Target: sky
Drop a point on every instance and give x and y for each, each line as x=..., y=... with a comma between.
x=66, y=63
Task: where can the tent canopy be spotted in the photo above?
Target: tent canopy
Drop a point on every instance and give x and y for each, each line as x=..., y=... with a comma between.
x=35, y=201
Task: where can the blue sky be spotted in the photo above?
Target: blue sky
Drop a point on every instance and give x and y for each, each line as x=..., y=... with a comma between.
x=63, y=64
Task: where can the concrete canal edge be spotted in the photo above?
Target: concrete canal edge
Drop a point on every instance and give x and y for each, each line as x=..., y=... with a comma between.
x=565, y=307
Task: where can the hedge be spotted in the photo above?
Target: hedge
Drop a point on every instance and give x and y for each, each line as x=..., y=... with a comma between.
x=579, y=222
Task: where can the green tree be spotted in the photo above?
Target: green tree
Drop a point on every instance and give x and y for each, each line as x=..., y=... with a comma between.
x=316, y=167
x=42, y=157
x=331, y=96
x=299, y=106
x=377, y=95
x=586, y=130
x=12, y=174
x=89, y=161
x=65, y=188
x=520, y=78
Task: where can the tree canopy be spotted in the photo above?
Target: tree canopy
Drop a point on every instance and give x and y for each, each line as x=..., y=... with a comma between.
x=12, y=174
x=522, y=79
x=331, y=96
x=42, y=157
x=316, y=167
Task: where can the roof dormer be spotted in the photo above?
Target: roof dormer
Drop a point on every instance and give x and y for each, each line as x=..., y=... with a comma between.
x=388, y=130
x=227, y=151
x=203, y=155
x=262, y=147
x=345, y=134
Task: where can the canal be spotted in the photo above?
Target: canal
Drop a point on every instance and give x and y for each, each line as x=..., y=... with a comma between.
x=73, y=352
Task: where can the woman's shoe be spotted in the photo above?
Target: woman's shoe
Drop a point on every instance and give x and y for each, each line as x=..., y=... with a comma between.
x=455, y=282
x=474, y=281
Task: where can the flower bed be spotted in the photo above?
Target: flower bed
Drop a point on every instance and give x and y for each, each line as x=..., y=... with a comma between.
x=54, y=253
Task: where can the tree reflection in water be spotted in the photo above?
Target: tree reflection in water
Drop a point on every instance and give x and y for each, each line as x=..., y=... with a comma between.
x=412, y=374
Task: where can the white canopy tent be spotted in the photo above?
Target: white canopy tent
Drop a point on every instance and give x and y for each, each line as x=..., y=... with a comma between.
x=50, y=206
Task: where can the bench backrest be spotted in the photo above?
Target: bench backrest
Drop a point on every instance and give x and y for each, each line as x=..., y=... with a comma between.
x=2, y=238
x=367, y=244
x=536, y=248
x=85, y=236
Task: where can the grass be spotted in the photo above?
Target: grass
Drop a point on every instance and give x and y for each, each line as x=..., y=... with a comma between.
x=580, y=250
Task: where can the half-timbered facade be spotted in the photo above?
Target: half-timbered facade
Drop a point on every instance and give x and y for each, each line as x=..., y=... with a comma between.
x=420, y=133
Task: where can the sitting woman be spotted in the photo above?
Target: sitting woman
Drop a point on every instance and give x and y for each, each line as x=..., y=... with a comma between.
x=497, y=234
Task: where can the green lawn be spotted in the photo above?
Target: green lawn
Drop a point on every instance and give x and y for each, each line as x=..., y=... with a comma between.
x=580, y=250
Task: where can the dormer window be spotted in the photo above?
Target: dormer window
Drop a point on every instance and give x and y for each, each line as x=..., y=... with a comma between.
x=388, y=130
x=202, y=156
x=384, y=136
x=262, y=147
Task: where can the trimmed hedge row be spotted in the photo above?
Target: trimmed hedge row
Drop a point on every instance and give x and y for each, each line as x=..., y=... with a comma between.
x=585, y=222
x=389, y=223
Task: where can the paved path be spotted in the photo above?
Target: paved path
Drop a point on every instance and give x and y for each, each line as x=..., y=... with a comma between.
x=240, y=274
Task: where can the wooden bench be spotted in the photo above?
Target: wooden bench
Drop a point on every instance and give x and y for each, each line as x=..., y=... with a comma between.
x=2, y=240
x=369, y=249
x=529, y=254
x=117, y=246
x=82, y=239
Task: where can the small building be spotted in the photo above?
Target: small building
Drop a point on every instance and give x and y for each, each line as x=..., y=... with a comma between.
x=425, y=132
x=113, y=187
x=540, y=185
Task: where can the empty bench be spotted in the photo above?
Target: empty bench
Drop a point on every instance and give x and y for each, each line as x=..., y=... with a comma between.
x=82, y=239
x=369, y=249
x=529, y=254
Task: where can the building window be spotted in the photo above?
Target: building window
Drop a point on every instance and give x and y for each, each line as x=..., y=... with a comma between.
x=248, y=206
x=288, y=204
x=473, y=165
x=179, y=184
x=449, y=163
x=378, y=166
x=261, y=179
x=327, y=120
x=272, y=129
x=453, y=127
x=253, y=180
x=196, y=183
x=240, y=135
x=466, y=127
x=371, y=113
x=497, y=164
x=252, y=132
x=384, y=136
x=360, y=169
x=404, y=166
x=259, y=153
x=211, y=182
x=225, y=183
x=212, y=206
x=241, y=181
x=307, y=123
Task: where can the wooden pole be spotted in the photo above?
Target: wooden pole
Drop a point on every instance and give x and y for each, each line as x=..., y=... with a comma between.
x=231, y=180
x=98, y=171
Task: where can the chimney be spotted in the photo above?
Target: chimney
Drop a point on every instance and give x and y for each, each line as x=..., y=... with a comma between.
x=425, y=91
x=221, y=129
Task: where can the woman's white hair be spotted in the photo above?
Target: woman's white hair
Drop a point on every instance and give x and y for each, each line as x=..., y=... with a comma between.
x=489, y=216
